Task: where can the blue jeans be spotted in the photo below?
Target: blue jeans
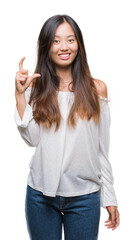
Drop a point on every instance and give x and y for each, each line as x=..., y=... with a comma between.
x=79, y=215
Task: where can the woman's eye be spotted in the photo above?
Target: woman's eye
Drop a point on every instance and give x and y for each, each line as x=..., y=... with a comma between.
x=71, y=40
x=55, y=41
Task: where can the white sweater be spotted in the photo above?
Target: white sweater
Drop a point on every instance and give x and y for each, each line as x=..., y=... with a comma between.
x=70, y=162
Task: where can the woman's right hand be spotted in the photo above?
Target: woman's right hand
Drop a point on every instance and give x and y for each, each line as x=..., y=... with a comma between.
x=22, y=80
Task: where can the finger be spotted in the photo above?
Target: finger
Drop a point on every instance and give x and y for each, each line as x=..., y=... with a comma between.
x=36, y=75
x=24, y=71
x=109, y=225
x=109, y=220
x=22, y=79
x=21, y=64
x=23, y=75
x=117, y=224
x=109, y=228
x=115, y=227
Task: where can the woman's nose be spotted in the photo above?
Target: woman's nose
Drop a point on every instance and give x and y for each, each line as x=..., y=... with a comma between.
x=64, y=45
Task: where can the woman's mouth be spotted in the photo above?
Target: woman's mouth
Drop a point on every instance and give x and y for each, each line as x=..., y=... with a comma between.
x=65, y=56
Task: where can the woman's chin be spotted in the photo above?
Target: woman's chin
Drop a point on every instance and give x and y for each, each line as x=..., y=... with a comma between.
x=63, y=65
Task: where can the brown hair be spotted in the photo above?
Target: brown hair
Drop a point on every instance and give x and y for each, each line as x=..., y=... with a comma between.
x=43, y=94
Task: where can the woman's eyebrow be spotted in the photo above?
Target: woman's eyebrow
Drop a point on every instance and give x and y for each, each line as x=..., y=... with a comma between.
x=67, y=36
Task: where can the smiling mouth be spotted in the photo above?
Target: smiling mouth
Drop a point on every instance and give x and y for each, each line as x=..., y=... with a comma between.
x=64, y=55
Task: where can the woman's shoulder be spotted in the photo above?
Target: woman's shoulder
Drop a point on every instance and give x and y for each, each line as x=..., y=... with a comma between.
x=101, y=88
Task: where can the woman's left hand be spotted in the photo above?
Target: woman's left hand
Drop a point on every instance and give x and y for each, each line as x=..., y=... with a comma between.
x=114, y=217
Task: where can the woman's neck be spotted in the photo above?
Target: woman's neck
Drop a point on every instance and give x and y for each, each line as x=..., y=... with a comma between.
x=65, y=75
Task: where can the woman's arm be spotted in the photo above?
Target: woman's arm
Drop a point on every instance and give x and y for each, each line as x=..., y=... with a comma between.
x=108, y=197
x=20, y=103
x=107, y=194
x=28, y=128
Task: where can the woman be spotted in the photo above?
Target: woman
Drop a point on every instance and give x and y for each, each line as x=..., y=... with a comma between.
x=63, y=112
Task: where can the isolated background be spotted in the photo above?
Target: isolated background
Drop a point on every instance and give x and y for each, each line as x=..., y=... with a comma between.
x=107, y=28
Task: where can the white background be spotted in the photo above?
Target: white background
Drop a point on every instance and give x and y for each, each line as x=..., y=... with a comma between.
x=107, y=28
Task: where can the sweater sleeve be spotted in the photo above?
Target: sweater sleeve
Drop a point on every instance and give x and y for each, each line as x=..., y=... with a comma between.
x=27, y=127
x=107, y=192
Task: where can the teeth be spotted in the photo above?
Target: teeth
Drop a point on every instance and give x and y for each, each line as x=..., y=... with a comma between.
x=64, y=55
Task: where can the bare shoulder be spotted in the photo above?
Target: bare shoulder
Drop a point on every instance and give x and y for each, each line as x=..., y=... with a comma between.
x=101, y=88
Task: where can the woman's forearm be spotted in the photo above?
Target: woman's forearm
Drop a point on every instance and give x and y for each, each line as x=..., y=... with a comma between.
x=20, y=103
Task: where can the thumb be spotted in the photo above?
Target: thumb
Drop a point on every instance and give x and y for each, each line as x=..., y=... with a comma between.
x=35, y=75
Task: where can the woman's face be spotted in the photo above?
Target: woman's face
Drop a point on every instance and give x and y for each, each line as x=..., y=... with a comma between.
x=64, y=47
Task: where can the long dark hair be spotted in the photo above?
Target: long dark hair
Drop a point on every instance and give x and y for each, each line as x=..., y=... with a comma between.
x=44, y=89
